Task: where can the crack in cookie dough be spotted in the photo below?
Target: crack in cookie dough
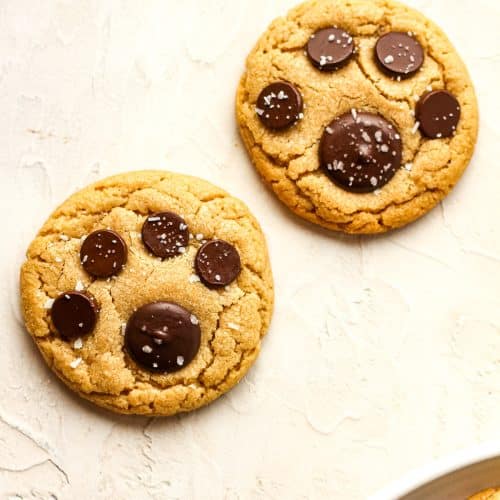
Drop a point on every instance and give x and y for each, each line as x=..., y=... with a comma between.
x=288, y=160
x=106, y=375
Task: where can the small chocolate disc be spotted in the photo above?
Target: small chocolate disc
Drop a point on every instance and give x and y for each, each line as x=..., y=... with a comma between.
x=217, y=263
x=74, y=314
x=103, y=253
x=360, y=152
x=165, y=234
x=399, y=54
x=162, y=336
x=330, y=48
x=438, y=112
x=279, y=105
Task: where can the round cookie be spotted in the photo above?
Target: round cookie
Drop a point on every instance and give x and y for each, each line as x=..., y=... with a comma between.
x=402, y=67
x=155, y=339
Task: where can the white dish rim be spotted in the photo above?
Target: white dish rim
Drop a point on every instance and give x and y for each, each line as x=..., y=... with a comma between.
x=437, y=469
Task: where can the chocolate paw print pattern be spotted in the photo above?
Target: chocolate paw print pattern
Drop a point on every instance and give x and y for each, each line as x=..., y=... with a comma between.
x=361, y=116
x=147, y=305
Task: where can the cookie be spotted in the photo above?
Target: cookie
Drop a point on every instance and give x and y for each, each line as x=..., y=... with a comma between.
x=379, y=120
x=489, y=494
x=149, y=292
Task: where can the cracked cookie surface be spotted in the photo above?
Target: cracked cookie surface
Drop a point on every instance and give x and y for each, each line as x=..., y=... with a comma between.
x=233, y=319
x=289, y=160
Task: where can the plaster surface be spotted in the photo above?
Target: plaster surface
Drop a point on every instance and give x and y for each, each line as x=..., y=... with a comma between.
x=383, y=353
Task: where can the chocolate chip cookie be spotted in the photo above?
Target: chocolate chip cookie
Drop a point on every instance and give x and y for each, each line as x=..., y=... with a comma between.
x=360, y=115
x=149, y=292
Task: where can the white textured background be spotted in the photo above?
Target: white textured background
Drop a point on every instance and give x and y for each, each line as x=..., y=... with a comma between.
x=383, y=353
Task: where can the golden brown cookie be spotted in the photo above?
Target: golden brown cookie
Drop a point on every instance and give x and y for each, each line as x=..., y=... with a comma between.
x=374, y=119
x=489, y=494
x=135, y=331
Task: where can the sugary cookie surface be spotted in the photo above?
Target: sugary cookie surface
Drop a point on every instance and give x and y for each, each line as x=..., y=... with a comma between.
x=360, y=115
x=149, y=292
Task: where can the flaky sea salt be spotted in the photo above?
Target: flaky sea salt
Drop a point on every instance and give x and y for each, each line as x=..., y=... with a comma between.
x=194, y=278
x=75, y=362
x=48, y=303
x=79, y=286
x=233, y=326
x=78, y=343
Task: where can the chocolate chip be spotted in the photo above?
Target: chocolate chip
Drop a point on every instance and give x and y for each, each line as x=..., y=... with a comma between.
x=330, y=48
x=360, y=152
x=103, y=253
x=217, y=263
x=279, y=105
x=438, y=113
x=74, y=313
x=162, y=336
x=165, y=234
x=399, y=54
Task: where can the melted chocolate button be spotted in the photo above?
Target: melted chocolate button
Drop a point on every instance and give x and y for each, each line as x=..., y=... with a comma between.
x=360, y=152
x=217, y=263
x=279, y=105
x=330, y=48
x=74, y=314
x=103, y=253
x=162, y=336
x=399, y=54
x=438, y=112
x=165, y=234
